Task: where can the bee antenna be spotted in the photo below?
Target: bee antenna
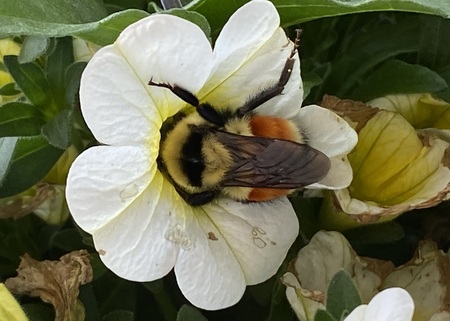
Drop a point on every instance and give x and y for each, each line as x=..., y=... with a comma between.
x=296, y=42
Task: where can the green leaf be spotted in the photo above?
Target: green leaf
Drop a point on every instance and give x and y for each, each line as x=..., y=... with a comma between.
x=383, y=233
x=33, y=47
x=24, y=162
x=193, y=17
x=189, y=313
x=30, y=78
x=445, y=73
x=398, y=77
x=217, y=15
x=342, y=295
x=297, y=11
x=322, y=315
x=9, y=90
x=21, y=15
x=101, y=32
x=57, y=130
x=7, y=146
x=72, y=82
x=106, y=31
x=434, y=51
x=119, y=316
x=365, y=52
x=20, y=119
x=57, y=63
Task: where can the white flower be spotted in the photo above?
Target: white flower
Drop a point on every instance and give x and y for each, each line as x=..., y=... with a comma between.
x=393, y=304
x=141, y=227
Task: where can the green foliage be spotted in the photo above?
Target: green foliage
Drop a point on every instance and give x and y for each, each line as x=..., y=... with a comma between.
x=189, y=313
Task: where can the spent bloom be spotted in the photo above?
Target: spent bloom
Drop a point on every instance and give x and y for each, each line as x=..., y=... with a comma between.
x=424, y=277
x=397, y=167
x=142, y=228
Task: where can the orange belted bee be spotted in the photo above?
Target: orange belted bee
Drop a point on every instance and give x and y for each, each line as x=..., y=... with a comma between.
x=238, y=153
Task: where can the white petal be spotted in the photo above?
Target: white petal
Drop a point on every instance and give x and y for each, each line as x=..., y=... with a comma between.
x=326, y=131
x=259, y=234
x=358, y=314
x=118, y=104
x=115, y=104
x=207, y=271
x=167, y=49
x=339, y=176
x=103, y=181
x=250, y=54
x=137, y=245
x=394, y=304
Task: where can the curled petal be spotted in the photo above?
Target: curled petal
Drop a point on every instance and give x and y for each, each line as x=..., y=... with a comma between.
x=326, y=131
x=103, y=181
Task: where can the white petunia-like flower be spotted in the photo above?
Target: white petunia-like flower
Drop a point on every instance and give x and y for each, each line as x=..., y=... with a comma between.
x=393, y=304
x=141, y=227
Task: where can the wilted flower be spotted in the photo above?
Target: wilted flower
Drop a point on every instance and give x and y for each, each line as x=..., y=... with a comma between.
x=424, y=277
x=395, y=168
x=141, y=226
x=420, y=110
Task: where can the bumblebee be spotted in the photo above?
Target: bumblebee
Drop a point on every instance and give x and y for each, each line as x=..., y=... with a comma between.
x=238, y=153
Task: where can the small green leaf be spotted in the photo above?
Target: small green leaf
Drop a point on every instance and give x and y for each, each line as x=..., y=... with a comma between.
x=72, y=82
x=57, y=130
x=57, y=63
x=20, y=119
x=30, y=78
x=189, y=313
x=322, y=315
x=9, y=90
x=342, y=295
x=216, y=15
x=119, y=316
x=33, y=47
x=24, y=162
x=193, y=17
x=7, y=146
x=398, y=77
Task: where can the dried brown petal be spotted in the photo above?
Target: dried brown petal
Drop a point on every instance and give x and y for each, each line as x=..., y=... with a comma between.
x=55, y=282
x=354, y=112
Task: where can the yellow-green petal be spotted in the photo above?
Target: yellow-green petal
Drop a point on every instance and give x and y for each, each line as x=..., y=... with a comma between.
x=420, y=110
x=10, y=309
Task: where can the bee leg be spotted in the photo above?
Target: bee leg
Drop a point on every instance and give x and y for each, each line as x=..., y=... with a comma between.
x=196, y=199
x=276, y=89
x=199, y=199
x=205, y=110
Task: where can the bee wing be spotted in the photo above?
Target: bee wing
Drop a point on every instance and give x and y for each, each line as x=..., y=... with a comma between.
x=271, y=162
